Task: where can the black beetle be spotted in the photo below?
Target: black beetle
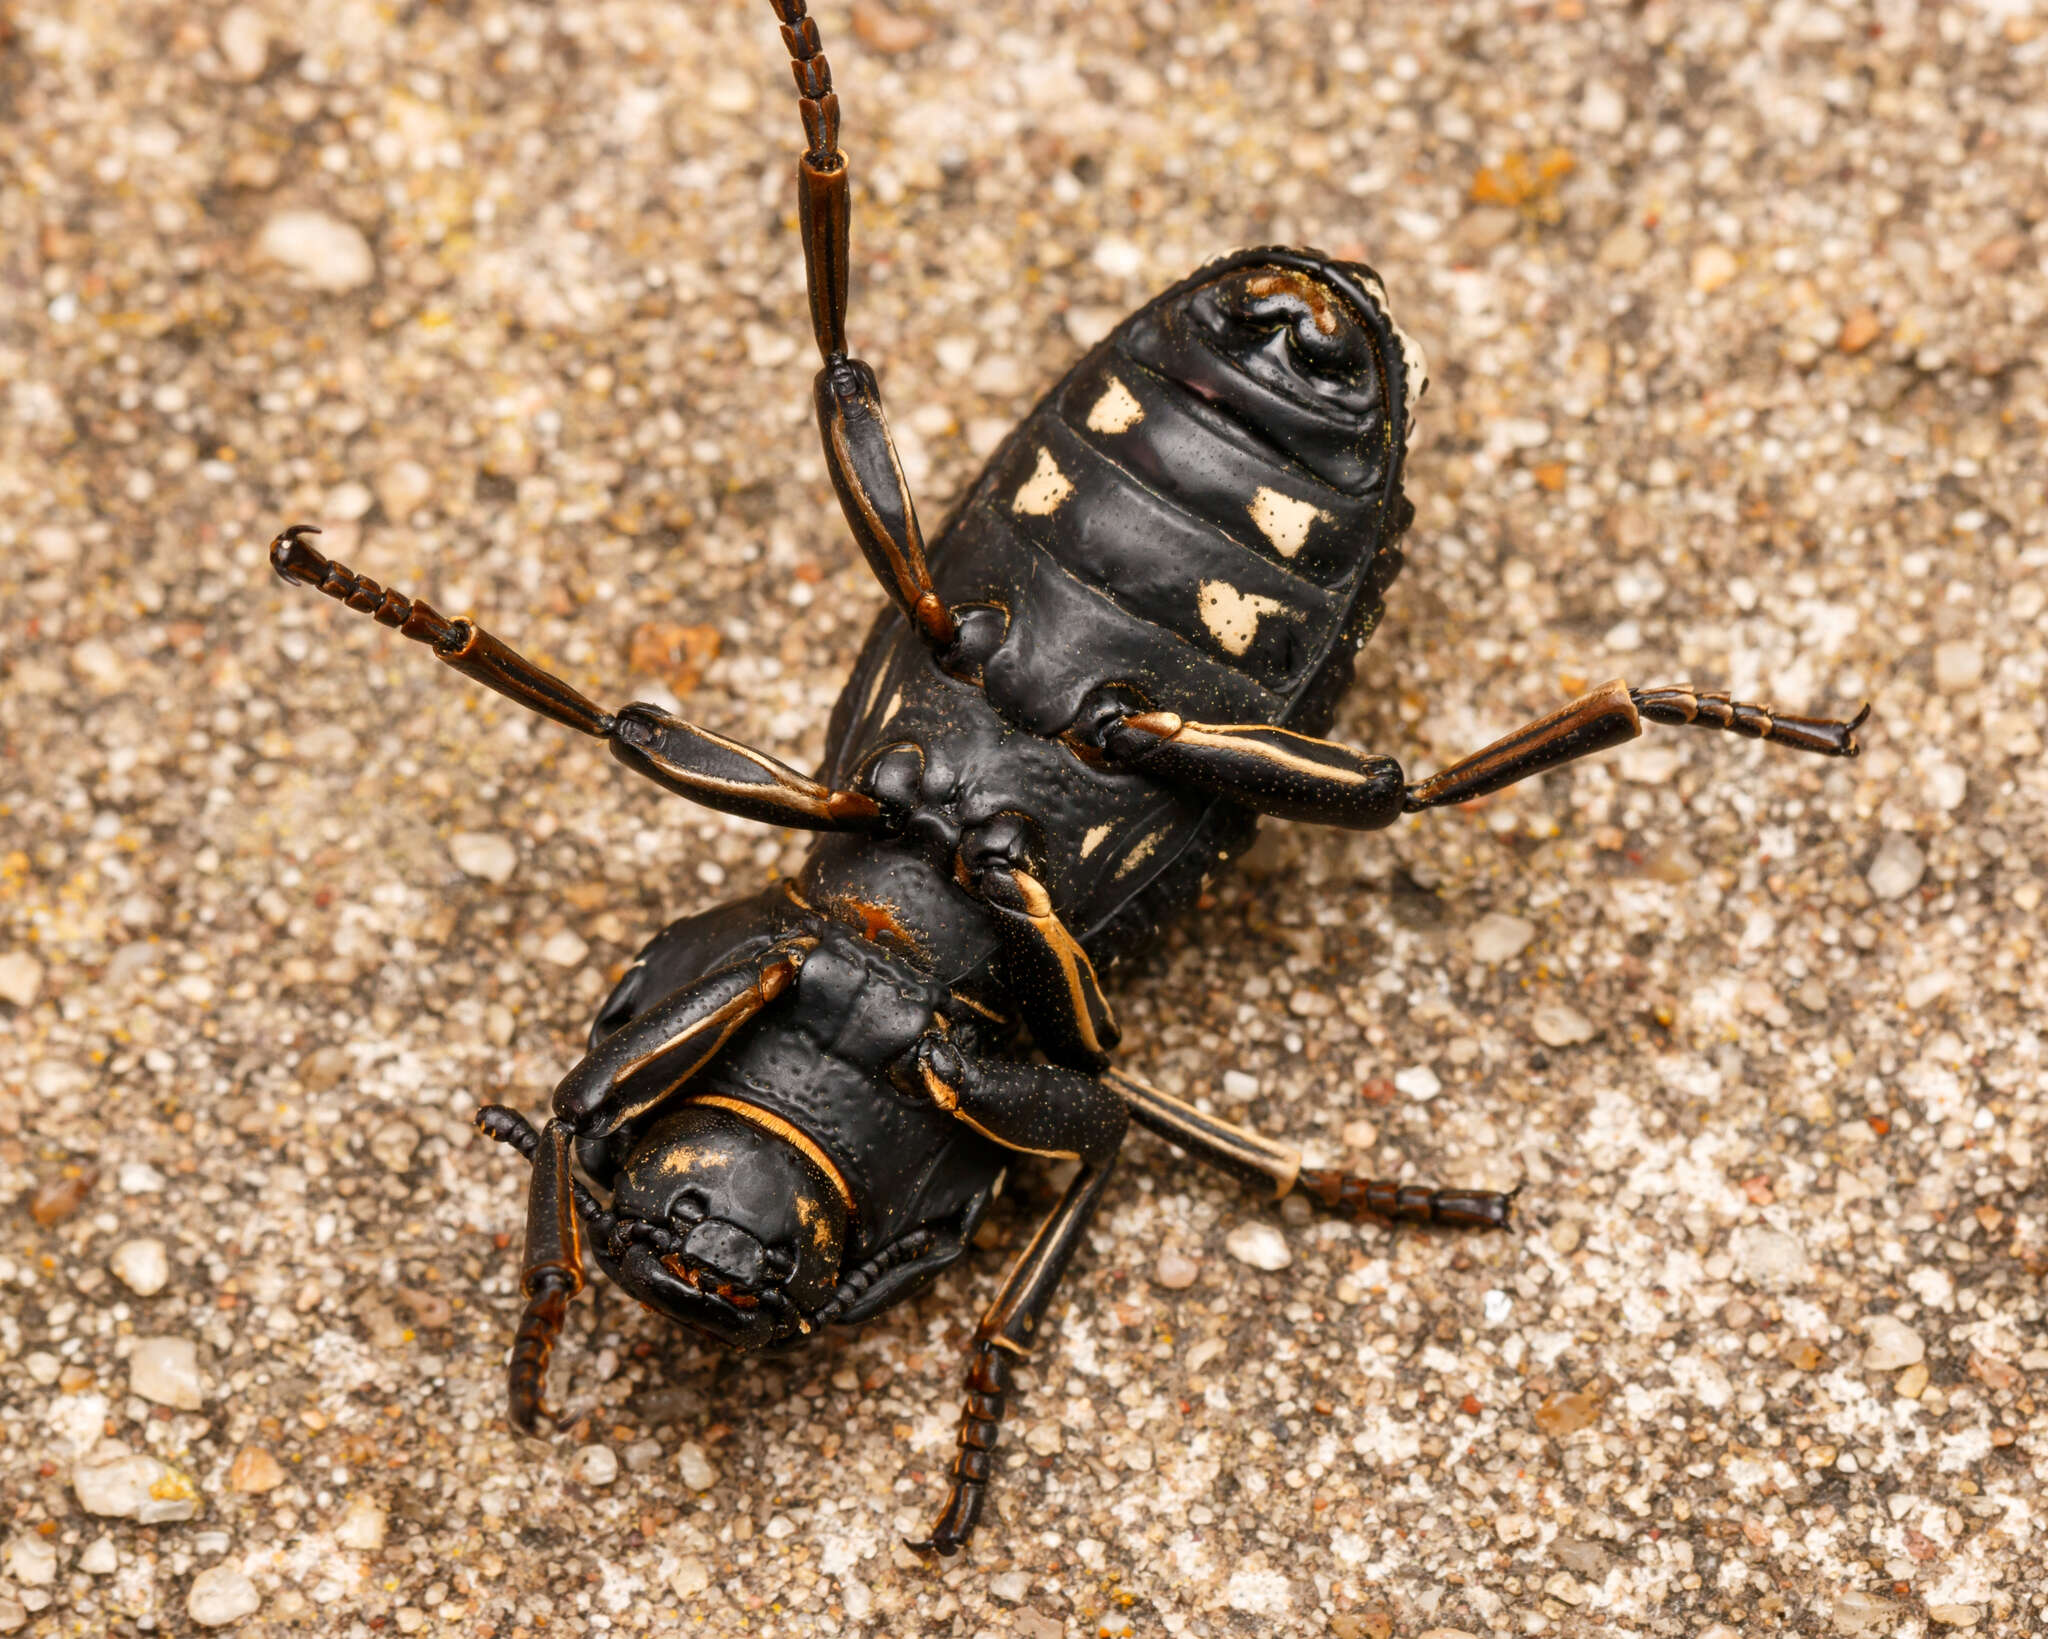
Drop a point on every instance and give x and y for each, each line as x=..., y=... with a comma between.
x=1117, y=654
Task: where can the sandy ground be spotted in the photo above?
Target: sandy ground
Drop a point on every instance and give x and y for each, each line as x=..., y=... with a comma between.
x=1736, y=313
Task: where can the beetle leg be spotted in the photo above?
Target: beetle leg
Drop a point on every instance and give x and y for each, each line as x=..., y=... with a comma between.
x=688, y=760
x=1257, y=1160
x=1276, y=771
x=550, y=1274
x=1005, y=1336
x=1049, y=973
x=859, y=452
x=647, y=1059
x=1039, y=1109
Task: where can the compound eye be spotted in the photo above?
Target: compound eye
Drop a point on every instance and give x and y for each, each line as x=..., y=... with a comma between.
x=1322, y=336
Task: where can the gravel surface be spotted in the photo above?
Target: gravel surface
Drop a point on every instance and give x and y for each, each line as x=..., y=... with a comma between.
x=1736, y=313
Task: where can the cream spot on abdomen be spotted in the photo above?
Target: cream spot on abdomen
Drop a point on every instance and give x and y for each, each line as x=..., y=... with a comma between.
x=1095, y=839
x=1138, y=855
x=1233, y=616
x=1045, y=491
x=1283, y=520
x=1116, y=411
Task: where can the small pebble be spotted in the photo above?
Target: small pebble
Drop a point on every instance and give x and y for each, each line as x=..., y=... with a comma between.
x=57, y=1199
x=1175, y=1271
x=690, y=1578
x=130, y=1485
x=483, y=854
x=1768, y=1257
x=1712, y=267
x=1889, y=1343
x=394, y=1144
x=165, y=1372
x=644, y=1456
x=1958, y=666
x=1559, y=1026
x=695, y=1468
x=1897, y=868
x=1258, y=1244
x=1912, y=1382
x=349, y=501
x=244, y=39
x=565, y=949
x=31, y=1560
x=139, y=1178
x=1567, y=1413
x=1858, y=1612
x=42, y=1367
x=221, y=1595
x=880, y=29
x=402, y=489
x=1603, y=109
x=1014, y=1586
x=363, y=1524
x=597, y=1465
x=141, y=1265
x=1238, y=1085
x=1360, y=1135
x=321, y=252
x=21, y=978
x=1859, y=330
x=99, y=1557
x=1418, y=1082
x=254, y=1470
x=1499, y=938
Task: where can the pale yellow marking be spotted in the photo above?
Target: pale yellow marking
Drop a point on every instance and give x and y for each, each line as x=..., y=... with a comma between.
x=1045, y=491
x=895, y=704
x=1116, y=411
x=1283, y=520
x=1138, y=855
x=1232, y=616
x=1095, y=839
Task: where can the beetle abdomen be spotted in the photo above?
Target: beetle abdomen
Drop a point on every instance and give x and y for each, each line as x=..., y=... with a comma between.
x=1171, y=517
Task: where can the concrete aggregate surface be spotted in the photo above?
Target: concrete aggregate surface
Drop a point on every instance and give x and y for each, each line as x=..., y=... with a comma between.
x=1736, y=313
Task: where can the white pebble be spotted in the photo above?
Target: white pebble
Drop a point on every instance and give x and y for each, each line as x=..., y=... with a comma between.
x=1897, y=868
x=221, y=1595
x=1559, y=1026
x=1603, y=109
x=393, y=1145
x=565, y=950
x=349, y=501
x=483, y=854
x=99, y=1558
x=1497, y=1306
x=1015, y=1586
x=1238, y=1085
x=43, y=1367
x=1958, y=665
x=1175, y=1271
x=21, y=978
x=1944, y=784
x=165, y=1372
x=597, y=1465
x=1258, y=1244
x=690, y=1578
x=321, y=251
x=141, y=1265
x=1768, y=1257
x=1119, y=258
x=402, y=488
x=1890, y=1343
x=31, y=1560
x=363, y=1524
x=139, y=1178
x=244, y=39
x=1418, y=1082
x=1499, y=938
x=131, y=1485
x=695, y=1468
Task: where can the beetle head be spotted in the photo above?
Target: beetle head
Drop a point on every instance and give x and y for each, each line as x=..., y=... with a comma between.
x=725, y=1227
x=1298, y=349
